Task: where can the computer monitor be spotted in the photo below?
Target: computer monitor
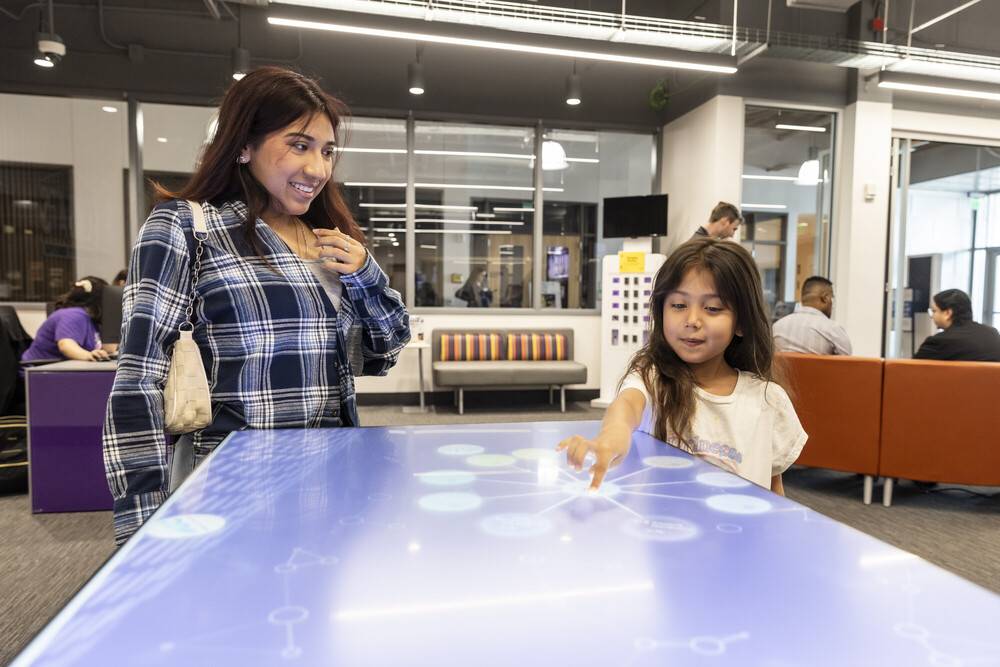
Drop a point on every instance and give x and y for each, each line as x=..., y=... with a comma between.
x=111, y=314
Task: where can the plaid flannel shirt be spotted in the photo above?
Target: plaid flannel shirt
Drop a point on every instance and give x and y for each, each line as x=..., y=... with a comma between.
x=272, y=343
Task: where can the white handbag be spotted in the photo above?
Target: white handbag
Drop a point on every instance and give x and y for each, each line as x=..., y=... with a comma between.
x=187, y=402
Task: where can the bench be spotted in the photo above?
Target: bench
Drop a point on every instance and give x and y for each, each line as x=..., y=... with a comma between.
x=505, y=358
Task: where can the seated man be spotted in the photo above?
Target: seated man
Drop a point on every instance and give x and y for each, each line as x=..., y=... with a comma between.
x=809, y=329
x=961, y=339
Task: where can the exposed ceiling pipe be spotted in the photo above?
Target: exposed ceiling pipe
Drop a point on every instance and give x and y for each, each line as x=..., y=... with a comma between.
x=944, y=16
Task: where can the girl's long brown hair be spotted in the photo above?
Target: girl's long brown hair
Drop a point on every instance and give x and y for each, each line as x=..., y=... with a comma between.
x=266, y=100
x=668, y=379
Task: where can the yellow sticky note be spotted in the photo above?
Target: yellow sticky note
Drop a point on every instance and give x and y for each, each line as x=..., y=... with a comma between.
x=631, y=262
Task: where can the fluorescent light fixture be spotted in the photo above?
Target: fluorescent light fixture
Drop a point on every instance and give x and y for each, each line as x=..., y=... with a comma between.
x=584, y=160
x=800, y=128
x=387, y=219
x=764, y=207
x=485, y=215
x=568, y=47
x=762, y=177
x=394, y=151
x=436, y=207
x=513, y=156
x=428, y=246
x=786, y=179
x=506, y=223
x=451, y=186
x=490, y=602
x=464, y=231
x=373, y=184
x=109, y=109
x=513, y=209
x=463, y=186
x=976, y=90
x=162, y=140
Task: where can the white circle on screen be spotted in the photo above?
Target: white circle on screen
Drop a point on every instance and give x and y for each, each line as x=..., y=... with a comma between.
x=450, y=502
x=735, y=503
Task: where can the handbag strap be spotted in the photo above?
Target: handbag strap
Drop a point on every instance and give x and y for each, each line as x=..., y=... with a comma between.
x=200, y=233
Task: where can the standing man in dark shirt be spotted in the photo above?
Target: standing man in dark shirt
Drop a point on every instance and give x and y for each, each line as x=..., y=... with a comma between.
x=961, y=338
x=722, y=223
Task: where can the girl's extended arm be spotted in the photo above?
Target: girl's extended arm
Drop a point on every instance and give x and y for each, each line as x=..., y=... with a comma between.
x=612, y=443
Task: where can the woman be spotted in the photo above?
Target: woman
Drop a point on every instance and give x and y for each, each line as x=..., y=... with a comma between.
x=72, y=331
x=284, y=276
x=475, y=292
x=961, y=338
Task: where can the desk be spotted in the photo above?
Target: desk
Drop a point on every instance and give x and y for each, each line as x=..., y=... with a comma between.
x=66, y=405
x=473, y=545
x=419, y=346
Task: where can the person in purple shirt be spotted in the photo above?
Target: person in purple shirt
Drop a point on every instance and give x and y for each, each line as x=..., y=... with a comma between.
x=71, y=332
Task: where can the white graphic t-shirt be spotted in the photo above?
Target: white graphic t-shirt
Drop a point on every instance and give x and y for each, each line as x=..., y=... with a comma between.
x=754, y=432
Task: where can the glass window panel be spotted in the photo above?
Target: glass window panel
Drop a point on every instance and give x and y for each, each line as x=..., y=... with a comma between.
x=38, y=258
x=372, y=168
x=469, y=253
x=788, y=167
x=580, y=169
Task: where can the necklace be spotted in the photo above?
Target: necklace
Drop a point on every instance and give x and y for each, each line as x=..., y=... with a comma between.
x=295, y=234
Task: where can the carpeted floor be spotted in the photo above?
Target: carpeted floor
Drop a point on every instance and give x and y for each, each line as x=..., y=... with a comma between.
x=47, y=558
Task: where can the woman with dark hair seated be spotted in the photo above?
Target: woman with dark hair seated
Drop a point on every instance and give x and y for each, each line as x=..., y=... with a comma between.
x=71, y=332
x=961, y=338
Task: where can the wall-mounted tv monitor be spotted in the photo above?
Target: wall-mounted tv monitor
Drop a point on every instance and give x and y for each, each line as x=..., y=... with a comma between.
x=635, y=216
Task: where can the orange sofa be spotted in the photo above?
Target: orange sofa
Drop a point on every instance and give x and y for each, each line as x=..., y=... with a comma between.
x=940, y=423
x=839, y=402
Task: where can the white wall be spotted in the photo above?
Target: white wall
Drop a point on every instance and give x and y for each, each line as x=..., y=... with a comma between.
x=702, y=164
x=860, y=227
x=75, y=132
x=404, y=377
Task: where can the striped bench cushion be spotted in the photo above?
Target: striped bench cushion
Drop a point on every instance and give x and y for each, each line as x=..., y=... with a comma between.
x=536, y=347
x=471, y=347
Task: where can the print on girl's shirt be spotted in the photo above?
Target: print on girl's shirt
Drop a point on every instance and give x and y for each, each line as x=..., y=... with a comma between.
x=698, y=445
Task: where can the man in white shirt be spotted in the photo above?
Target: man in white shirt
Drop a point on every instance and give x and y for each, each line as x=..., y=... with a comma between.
x=809, y=329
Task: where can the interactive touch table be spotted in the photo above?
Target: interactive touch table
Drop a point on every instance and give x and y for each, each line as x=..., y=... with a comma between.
x=476, y=545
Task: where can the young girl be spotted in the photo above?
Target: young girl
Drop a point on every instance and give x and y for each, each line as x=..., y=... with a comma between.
x=704, y=381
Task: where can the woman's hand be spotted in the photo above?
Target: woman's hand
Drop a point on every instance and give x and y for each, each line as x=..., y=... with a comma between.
x=343, y=254
x=608, y=448
x=99, y=355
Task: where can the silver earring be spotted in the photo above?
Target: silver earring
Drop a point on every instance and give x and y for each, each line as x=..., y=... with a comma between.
x=242, y=159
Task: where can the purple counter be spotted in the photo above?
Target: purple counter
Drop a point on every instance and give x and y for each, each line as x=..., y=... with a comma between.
x=66, y=404
x=476, y=545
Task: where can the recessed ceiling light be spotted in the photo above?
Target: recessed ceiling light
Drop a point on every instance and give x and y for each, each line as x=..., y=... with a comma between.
x=109, y=109
x=162, y=140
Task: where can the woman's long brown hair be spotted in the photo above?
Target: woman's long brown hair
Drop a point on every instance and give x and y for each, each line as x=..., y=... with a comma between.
x=266, y=100
x=668, y=379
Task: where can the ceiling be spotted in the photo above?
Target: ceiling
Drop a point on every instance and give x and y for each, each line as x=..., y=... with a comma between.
x=174, y=51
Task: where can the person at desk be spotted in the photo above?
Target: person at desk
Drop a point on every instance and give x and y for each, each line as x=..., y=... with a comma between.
x=71, y=331
x=722, y=223
x=283, y=281
x=961, y=338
